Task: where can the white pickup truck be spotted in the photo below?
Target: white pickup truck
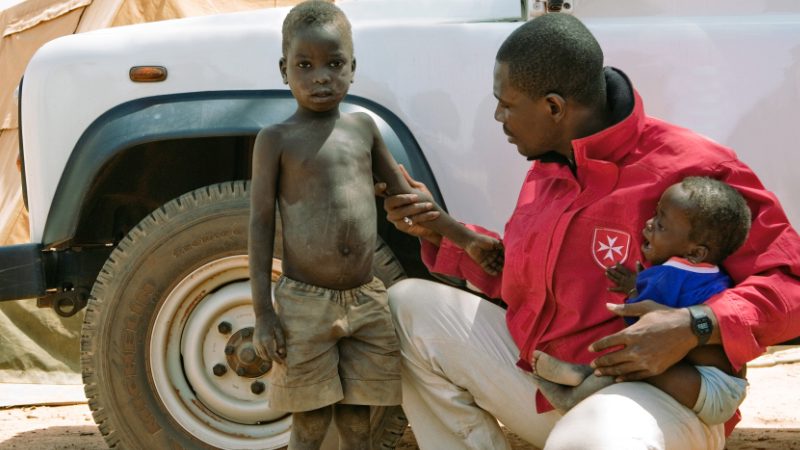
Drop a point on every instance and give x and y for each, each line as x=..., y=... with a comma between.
x=136, y=146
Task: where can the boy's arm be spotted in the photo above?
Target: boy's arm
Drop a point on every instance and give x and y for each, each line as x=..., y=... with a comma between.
x=483, y=249
x=268, y=340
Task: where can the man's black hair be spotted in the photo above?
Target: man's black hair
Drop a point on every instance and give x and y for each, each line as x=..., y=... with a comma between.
x=315, y=13
x=555, y=53
x=718, y=215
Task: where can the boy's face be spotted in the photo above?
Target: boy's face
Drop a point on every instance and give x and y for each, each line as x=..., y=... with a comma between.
x=318, y=67
x=667, y=234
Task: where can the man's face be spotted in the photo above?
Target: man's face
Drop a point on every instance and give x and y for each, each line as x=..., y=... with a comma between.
x=526, y=121
x=318, y=67
x=667, y=234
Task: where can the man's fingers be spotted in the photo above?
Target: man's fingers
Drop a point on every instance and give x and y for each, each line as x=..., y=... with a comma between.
x=613, y=340
x=634, y=376
x=380, y=189
x=634, y=309
x=620, y=372
x=412, y=182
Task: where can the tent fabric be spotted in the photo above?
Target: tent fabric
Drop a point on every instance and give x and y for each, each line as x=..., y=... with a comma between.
x=37, y=345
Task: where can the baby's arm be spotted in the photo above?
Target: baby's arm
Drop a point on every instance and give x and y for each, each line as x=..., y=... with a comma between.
x=484, y=250
x=268, y=339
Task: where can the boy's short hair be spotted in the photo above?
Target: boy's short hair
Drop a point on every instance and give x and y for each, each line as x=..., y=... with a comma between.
x=718, y=215
x=555, y=53
x=316, y=13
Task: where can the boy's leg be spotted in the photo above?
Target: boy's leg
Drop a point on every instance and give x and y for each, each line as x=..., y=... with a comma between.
x=459, y=373
x=309, y=428
x=352, y=422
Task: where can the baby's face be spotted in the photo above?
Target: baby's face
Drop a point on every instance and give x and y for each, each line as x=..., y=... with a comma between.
x=319, y=67
x=667, y=234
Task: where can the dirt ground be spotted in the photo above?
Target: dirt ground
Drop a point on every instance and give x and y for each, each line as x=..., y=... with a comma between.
x=771, y=414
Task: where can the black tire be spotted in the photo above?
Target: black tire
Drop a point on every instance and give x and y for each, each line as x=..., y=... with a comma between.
x=153, y=334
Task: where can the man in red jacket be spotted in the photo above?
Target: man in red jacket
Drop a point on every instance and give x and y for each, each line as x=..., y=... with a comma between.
x=599, y=166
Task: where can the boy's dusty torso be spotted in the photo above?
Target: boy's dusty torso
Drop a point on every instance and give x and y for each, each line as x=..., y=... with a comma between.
x=327, y=202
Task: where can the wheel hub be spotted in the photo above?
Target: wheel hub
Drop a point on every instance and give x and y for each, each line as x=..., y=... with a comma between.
x=241, y=355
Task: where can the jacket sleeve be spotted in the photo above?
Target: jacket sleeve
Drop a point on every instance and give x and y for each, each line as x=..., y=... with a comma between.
x=763, y=308
x=449, y=259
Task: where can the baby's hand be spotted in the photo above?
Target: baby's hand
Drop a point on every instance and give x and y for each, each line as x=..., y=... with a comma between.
x=268, y=338
x=487, y=252
x=623, y=278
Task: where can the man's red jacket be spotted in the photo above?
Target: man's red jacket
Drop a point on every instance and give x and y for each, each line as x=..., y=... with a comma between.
x=567, y=228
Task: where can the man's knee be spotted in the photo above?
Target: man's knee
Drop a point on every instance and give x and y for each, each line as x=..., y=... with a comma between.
x=405, y=296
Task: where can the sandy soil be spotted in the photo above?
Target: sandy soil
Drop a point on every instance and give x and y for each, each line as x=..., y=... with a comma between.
x=771, y=415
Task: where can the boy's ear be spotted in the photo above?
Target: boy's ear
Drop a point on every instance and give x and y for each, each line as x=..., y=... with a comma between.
x=352, y=69
x=698, y=254
x=282, y=68
x=556, y=105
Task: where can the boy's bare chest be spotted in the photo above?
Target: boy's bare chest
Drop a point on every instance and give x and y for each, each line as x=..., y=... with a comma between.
x=339, y=153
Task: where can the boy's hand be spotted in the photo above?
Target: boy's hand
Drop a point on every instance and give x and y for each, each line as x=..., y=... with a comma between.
x=488, y=252
x=268, y=338
x=623, y=278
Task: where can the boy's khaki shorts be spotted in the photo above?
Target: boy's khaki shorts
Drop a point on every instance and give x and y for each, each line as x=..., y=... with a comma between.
x=340, y=347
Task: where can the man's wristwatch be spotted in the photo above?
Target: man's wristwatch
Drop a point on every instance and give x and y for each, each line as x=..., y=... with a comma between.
x=701, y=324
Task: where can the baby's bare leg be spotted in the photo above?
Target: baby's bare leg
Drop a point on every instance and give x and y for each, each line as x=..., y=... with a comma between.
x=352, y=422
x=558, y=371
x=563, y=398
x=309, y=428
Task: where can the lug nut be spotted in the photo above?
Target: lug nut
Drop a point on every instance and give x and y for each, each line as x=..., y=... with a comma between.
x=265, y=367
x=257, y=387
x=229, y=349
x=224, y=327
x=247, y=355
x=247, y=332
x=219, y=370
x=240, y=371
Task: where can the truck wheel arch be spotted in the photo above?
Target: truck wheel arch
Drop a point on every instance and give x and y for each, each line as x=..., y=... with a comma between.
x=183, y=141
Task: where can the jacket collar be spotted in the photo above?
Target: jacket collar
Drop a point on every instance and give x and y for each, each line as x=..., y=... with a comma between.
x=616, y=142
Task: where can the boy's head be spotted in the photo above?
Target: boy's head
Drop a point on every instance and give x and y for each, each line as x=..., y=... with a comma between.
x=317, y=62
x=700, y=219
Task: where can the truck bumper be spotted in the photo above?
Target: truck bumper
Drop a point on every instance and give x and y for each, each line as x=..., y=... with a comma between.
x=21, y=272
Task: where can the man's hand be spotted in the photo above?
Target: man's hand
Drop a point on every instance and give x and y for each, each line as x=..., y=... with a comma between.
x=623, y=278
x=660, y=338
x=488, y=252
x=409, y=212
x=268, y=338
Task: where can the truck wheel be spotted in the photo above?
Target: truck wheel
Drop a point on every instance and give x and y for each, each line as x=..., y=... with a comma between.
x=166, y=343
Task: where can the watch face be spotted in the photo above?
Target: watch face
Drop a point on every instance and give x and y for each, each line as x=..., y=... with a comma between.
x=703, y=326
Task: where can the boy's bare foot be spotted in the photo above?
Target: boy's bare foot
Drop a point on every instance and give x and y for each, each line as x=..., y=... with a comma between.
x=557, y=371
x=563, y=398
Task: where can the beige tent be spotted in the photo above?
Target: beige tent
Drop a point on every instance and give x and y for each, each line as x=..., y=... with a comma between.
x=36, y=345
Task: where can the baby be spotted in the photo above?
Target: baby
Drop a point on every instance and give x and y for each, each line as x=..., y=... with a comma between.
x=698, y=223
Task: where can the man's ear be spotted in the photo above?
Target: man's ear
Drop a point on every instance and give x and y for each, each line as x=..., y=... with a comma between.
x=698, y=253
x=557, y=106
x=282, y=68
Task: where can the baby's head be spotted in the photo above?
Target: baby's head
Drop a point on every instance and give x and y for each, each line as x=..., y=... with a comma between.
x=700, y=219
x=317, y=62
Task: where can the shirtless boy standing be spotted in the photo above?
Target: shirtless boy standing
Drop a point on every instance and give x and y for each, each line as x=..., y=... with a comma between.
x=329, y=330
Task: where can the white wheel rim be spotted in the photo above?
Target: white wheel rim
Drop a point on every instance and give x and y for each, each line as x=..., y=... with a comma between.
x=184, y=346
